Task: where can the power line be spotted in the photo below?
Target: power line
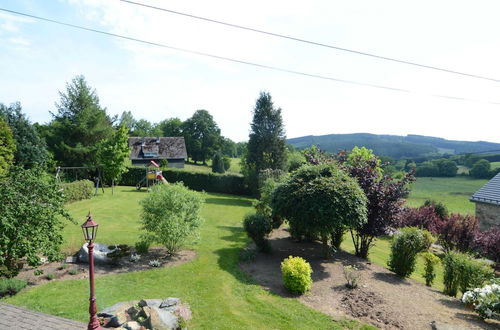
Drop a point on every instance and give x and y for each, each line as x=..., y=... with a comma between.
x=228, y=59
x=380, y=57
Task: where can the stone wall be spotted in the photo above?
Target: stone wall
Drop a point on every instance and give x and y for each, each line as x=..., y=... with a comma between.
x=488, y=215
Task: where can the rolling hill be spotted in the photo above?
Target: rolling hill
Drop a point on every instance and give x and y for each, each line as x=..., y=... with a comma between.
x=395, y=146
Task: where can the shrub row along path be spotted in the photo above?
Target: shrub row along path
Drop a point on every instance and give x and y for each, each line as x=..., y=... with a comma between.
x=219, y=293
x=382, y=299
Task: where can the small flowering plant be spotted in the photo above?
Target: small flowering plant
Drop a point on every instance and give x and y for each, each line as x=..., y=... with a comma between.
x=486, y=300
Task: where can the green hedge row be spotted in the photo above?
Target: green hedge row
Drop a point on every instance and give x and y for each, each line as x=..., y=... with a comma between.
x=210, y=182
x=78, y=190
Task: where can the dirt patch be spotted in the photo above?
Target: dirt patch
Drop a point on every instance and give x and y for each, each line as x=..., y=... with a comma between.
x=69, y=271
x=382, y=298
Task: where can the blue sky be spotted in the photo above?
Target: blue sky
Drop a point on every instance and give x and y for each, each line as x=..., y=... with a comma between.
x=37, y=59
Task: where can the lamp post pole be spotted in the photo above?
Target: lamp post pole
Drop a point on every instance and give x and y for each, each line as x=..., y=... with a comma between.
x=94, y=322
x=89, y=228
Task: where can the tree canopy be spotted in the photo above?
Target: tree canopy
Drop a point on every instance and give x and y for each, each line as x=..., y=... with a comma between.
x=7, y=147
x=113, y=153
x=79, y=126
x=202, y=136
x=31, y=149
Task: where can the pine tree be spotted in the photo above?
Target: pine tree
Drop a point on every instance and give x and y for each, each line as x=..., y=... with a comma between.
x=266, y=146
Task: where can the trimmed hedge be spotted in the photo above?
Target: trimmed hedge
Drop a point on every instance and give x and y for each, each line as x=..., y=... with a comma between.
x=210, y=182
x=78, y=190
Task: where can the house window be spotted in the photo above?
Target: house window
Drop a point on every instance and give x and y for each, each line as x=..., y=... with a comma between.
x=150, y=154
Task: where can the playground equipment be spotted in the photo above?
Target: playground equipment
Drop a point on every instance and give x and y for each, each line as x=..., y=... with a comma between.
x=153, y=176
x=97, y=177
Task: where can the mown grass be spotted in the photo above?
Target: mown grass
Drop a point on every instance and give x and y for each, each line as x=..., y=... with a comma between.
x=221, y=296
x=495, y=165
x=453, y=192
x=235, y=167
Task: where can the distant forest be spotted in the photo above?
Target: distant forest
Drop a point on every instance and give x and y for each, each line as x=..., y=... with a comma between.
x=395, y=146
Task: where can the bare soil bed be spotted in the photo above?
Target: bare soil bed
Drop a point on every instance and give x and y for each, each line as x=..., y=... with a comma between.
x=71, y=271
x=382, y=299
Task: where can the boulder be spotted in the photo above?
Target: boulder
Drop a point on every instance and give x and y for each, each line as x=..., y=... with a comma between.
x=100, y=254
x=132, y=325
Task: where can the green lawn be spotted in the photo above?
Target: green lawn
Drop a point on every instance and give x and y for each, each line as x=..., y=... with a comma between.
x=495, y=165
x=235, y=167
x=221, y=296
x=453, y=192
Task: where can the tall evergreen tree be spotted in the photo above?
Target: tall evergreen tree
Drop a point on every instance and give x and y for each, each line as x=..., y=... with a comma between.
x=80, y=125
x=266, y=146
x=31, y=149
x=7, y=148
x=202, y=136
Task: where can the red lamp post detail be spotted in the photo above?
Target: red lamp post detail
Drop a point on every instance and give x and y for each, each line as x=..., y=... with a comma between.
x=89, y=229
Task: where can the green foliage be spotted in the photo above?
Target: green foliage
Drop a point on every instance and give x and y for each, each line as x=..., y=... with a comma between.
x=266, y=144
x=296, y=274
x=437, y=168
x=50, y=276
x=127, y=120
x=171, y=215
x=170, y=127
x=247, y=255
x=79, y=127
x=439, y=208
x=320, y=199
x=201, y=181
x=163, y=163
x=7, y=148
x=142, y=247
x=112, y=155
x=263, y=204
x=295, y=159
x=9, y=286
x=464, y=273
x=481, y=169
x=218, y=165
x=258, y=227
x=430, y=262
x=78, y=190
x=38, y=272
x=486, y=300
x=360, y=156
x=73, y=271
x=202, y=136
x=31, y=218
x=404, y=249
x=352, y=276
x=31, y=149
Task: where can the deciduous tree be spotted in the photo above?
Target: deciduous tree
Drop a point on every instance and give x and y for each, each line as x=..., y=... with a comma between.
x=7, y=148
x=202, y=136
x=112, y=155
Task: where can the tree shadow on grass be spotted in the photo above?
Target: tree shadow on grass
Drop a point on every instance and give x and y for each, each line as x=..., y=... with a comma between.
x=228, y=201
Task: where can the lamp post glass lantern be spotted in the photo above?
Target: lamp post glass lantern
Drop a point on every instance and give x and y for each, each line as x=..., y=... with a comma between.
x=89, y=229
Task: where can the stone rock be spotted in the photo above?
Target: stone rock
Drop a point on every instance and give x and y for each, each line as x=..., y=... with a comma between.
x=169, y=302
x=444, y=326
x=118, y=307
x=121, y=317
x=163, y=320
x=150, y=302
x=100, y=254
x=132, y=325
x=70, y=260
x=133, y=311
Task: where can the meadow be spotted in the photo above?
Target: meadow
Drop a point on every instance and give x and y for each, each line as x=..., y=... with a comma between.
x=453, y=192
x=220, y=294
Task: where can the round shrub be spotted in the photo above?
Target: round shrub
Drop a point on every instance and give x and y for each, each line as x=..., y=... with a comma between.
x=142, y=247
x=171, y=215
x=404, y=249
x=464, y=273
x=258, y=227
x=296, y=274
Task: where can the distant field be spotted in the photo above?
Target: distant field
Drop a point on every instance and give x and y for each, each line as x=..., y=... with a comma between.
x=495, y=165
x=234, y=169
x=453, y=192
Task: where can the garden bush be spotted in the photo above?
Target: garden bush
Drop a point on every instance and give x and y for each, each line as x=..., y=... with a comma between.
x=171, y=215
x=296, y=274
x=488, y=244
x=78, y=190
x=404, y=249
x=258, y=227
x=430, y=261
x=142, y=247
x=462, y=272
x=486, y=300
x=424, y=217
x=211, y=182
x=458, y=232
x=9, y=286
x=352, y=276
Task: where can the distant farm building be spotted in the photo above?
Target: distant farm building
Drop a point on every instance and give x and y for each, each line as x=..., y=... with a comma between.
x=487, y=201
x=143, y=150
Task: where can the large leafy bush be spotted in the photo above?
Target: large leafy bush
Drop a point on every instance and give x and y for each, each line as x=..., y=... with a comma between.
x=488, y=244
x=317, y=200
x=10, y=286
x=464, y=273
x=404, y=249
x=78, y=190
x=32, y=209
x=296, y=274
x=171, y=215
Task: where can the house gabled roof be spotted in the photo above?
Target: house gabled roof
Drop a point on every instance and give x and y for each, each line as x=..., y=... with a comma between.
x=157, y=148
x=489, y=193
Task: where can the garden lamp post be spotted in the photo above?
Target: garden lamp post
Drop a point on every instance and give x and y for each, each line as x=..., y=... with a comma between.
x=89, y=229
